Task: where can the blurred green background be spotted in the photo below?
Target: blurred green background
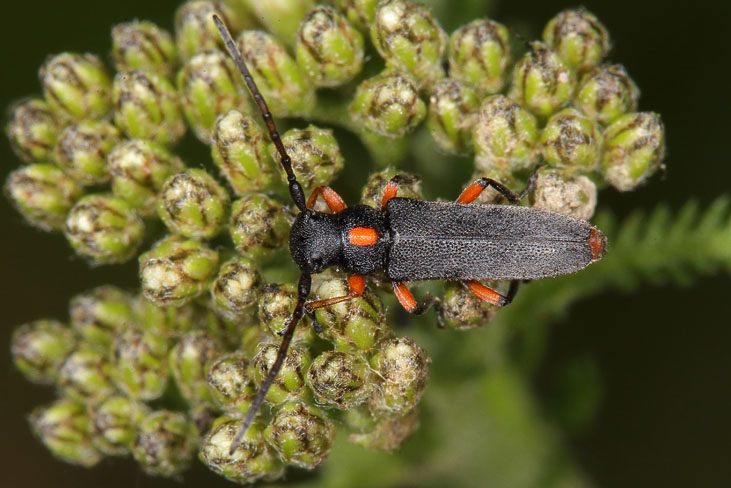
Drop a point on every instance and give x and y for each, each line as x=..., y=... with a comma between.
x=662, y=354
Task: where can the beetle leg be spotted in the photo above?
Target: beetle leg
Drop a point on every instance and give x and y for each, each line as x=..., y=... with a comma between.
x=491, y=296
x=390, y=191
x=357, y=287
x=407, y=300
x=474, y=190
x=334, y=201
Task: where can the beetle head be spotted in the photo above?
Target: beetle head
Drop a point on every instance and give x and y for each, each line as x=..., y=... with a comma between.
x=315, y=241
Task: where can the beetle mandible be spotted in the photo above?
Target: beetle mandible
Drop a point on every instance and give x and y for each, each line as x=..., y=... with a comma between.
x=413, y=240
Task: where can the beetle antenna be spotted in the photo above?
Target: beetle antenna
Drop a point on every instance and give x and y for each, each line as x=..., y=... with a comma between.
x=295, y=189
x=303, y=291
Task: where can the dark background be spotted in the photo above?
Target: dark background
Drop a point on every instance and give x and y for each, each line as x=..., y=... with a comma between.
x=662, y=354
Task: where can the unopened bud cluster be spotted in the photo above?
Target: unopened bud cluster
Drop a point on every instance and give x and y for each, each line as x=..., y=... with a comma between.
x=167, y=374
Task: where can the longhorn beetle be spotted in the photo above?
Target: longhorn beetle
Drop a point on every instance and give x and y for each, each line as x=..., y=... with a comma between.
x=417, y=240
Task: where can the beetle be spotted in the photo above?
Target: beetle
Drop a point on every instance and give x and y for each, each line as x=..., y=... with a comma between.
x=413, y=240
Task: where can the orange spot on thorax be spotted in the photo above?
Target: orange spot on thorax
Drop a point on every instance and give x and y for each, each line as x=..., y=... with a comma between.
x=363, y=236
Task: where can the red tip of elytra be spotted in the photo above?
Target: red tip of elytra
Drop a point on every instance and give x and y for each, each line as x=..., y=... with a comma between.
x=598, y=244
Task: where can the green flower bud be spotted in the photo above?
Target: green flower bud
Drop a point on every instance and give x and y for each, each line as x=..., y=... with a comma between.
x=202, y=417
x=505, y=136
x=98, y=315
x=605, y=93
x=372, y=194
x=65, y=429
x=43, y=194
x=340, y=379
x=258, y=225
x=578, y=37
x=275, y=306
x=39, y=348
x=236, y=287
x=253, y=459
x=190, y=359
x=542, y=82
x=410, y=39
x=195, y=31
x=81, y=151
x=139, y=168
x=281, y=17
x=76, y=85
x=209, y=85
x=115, y=423
x=176, y=270
x=356, y=324
x=389, y=434
x=33, y=130
x=453, y=112
x=479, y=54
x=388, y=104
x=573, y=195
x=104, y=229
x=315, y=154
x=571, y=141
x=85, y=375
x=140, y=363
x=166, y=321
x=164, y=443
x=461, y=310
x=329, y=50
x=143, y=45
x=251, y=338
x=401, y=365
x=634, y=146
x=241, y=151
x=193, y=204
x=230, y=383
x=359, y=12
x=146, y=106
x=301, y=434
x=290, y=382
x=280, y=80
x=226, y=330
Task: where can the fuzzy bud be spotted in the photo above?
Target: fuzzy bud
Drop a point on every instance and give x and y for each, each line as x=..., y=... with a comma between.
x=301, y=434
x=388, y=434
x=76, y=86
x=146, y=106
x=340, y=379
x=372, y=194
x=81, y=151
x=258, y=225
x=329, y=50
x=253, y=459
x=166, y=321
x=176, y=270
x=143, y=45
x=388, y=104
x=65, y=429
x=104, y=229
x=43, y=194
x=140, y=363
x=275, y=306
x=193, y=204
x=605, y=93
x=164, y=443
x=85, y=375
x=479, y=54
x=33, y=130
x=453, y=112
x=402, y=366
x=38, y=349
x=190, y=359
x=240, y=149
x=115, y=423
x=409, y=39
x=195, y=31
x=358, y=12
x=634, y=146
x=571, y=141
x=138, y=169
x=236, y=287
x=542, y=82
x=573, y=195
x=578, y=37
x=98, y=315
x=505, y=136
x=290, y=382
x=462, y=310
x=230, y=383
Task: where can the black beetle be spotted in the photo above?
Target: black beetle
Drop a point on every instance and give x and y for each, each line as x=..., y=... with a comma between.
x=416, y=240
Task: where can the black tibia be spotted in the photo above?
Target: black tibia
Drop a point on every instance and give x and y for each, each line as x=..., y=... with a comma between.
x=295, y=189
x=506, y=192
x=303, y=291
